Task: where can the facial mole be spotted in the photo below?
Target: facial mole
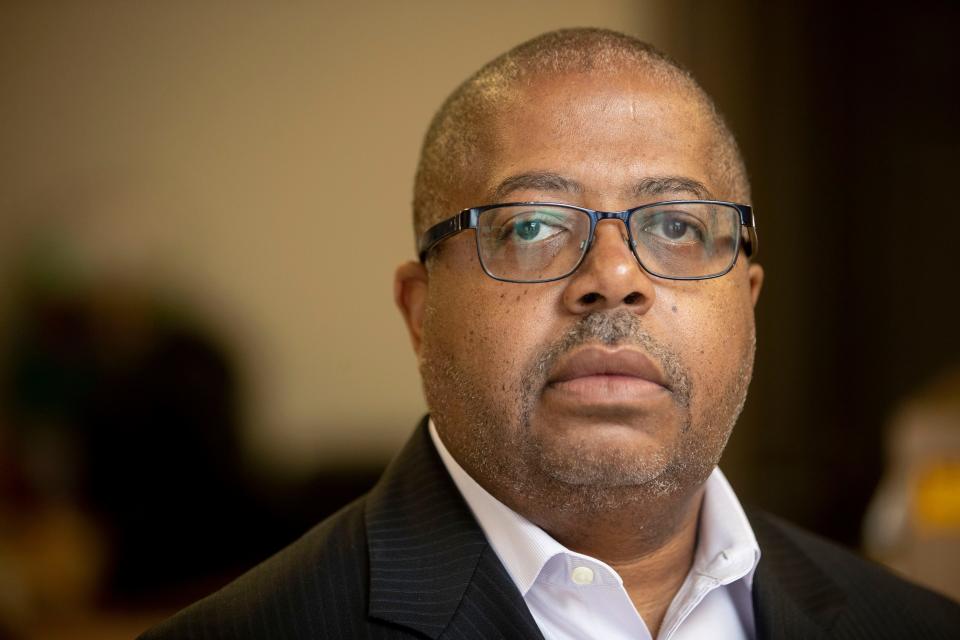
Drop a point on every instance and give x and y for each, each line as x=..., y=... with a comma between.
x=673, y=308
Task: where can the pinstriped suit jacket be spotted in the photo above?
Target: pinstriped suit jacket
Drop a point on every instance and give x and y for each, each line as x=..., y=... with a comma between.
x=408, y=560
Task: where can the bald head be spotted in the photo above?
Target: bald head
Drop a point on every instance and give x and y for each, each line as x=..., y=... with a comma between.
x=459, y=143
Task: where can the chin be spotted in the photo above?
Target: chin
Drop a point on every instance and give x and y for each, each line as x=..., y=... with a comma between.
x=641, y=433
x=609, y=455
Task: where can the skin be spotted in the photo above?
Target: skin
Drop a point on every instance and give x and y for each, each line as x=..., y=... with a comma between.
x=610, y=467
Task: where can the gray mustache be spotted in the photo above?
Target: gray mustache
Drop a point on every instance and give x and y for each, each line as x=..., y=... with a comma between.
x=613, y=328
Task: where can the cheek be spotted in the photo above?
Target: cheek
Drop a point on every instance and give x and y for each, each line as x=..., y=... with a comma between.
x=712, y=330
x=511, y=325
x=490, y=330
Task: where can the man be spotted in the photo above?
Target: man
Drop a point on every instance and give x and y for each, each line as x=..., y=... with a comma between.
x=583, y=371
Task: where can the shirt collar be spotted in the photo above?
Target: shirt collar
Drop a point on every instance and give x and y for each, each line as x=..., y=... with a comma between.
x=727, y=549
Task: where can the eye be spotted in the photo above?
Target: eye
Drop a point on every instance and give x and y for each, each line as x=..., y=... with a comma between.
x=675, y=229
x=531, y=230
x=531, y=227
x=527, y=229
x=675, y=226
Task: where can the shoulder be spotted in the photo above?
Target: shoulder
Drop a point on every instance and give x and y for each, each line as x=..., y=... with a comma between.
x=866, y=595
x=320, y=586
x=317, y=583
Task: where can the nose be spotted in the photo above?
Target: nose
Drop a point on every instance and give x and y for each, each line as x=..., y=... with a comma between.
x=609, y=276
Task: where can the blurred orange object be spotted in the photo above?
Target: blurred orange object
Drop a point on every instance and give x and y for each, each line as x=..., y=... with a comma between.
x=913, y=523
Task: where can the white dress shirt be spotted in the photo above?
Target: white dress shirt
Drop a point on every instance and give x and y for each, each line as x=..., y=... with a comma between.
x=574, y=596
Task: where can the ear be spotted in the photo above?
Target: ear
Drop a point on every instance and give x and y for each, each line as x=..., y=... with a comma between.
x=755, y=276
x=410, y=295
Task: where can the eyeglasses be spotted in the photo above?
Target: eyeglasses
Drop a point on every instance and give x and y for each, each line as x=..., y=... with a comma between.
x=542, y=241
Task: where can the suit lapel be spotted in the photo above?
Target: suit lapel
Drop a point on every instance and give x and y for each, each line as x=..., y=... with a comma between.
x=431, y=568
x=792, y=597
x=492, y=607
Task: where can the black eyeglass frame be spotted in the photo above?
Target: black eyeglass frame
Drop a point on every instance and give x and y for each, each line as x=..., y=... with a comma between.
x=468, y=219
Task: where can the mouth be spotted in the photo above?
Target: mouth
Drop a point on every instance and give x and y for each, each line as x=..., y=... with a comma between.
x=598, y=375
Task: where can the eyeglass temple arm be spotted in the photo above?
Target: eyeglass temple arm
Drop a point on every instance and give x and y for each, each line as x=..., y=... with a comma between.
x=466, y=219
x=748, y=223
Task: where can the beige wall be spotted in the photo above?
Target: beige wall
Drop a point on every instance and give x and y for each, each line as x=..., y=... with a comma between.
x=258, y=160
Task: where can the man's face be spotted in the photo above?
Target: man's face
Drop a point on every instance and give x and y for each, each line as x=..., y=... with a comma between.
x=611, y=378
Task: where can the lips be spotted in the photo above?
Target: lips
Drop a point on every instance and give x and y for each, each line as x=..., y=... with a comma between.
x=597, y=364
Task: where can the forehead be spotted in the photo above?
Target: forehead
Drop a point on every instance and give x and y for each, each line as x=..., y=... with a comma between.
x=606, y=132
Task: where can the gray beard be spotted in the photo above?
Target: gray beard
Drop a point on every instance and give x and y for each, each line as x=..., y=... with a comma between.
x=494, y=443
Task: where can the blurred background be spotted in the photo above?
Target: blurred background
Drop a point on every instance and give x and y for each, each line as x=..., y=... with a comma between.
x=201, y=206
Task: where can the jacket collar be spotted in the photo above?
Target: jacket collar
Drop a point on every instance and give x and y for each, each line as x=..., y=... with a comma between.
x=792, y=596
x=429, y=560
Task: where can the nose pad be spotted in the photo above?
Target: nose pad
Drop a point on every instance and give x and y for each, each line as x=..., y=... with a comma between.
x=610, y=276
x=624, y=235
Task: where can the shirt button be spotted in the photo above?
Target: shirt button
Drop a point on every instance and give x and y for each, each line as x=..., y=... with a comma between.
x=582, y=575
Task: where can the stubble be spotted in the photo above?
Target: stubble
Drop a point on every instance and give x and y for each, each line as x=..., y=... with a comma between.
x=491, y=434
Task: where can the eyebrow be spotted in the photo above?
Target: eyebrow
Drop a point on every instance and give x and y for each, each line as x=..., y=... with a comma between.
x=535, y=180
x=660, y=185
x=649, y=187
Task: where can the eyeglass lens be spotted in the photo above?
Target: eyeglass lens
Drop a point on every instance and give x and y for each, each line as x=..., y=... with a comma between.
x=531, y=243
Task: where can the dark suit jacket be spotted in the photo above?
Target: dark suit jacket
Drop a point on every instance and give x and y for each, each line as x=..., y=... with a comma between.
x=408, y=560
